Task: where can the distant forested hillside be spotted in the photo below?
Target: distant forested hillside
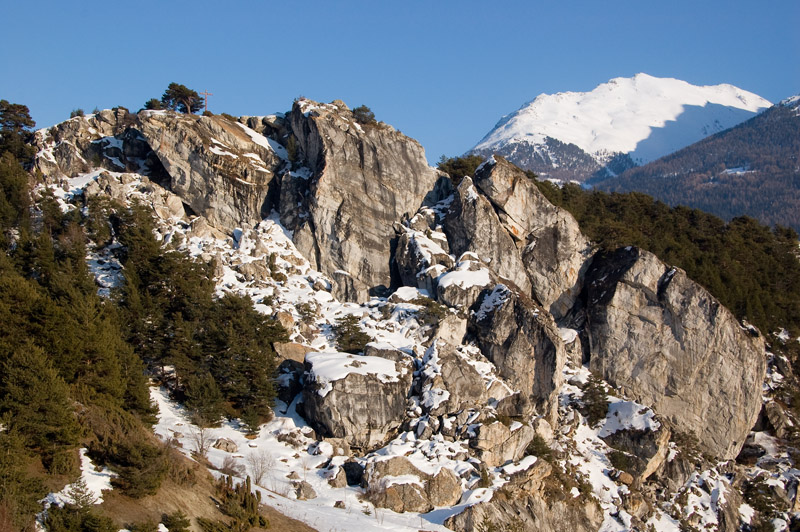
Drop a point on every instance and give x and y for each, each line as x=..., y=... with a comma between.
x=751, y=169
x=750, y=268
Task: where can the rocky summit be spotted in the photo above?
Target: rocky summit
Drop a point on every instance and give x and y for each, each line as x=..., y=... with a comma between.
x=459, y=352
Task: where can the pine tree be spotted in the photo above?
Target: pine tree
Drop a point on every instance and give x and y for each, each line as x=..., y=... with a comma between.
x=180, y=98
x=38, y=400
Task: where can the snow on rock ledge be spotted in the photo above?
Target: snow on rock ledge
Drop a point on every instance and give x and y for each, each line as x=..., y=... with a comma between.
x=359, y=398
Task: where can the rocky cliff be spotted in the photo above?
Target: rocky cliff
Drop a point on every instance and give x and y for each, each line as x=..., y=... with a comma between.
x=474, y=294
x=658, y=336
x=359, y=180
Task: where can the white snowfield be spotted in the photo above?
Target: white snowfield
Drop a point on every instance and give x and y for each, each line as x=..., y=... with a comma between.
x=625, y=116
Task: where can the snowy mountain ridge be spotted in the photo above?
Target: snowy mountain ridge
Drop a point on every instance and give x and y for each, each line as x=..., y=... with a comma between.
x=644, y=117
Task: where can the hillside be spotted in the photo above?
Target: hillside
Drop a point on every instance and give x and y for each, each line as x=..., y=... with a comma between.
x=619, y=124
x=298, y=304
x=751, y=169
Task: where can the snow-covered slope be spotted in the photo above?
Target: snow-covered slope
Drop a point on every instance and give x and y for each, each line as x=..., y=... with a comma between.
x=644, y=117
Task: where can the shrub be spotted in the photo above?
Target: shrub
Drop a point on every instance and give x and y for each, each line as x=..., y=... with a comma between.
x=153, y=104
x=176, y=521
x=349, y=336
x=595, y=400
x=76, y=112
x=432, y=312
x=364, y=115
x=539, y=448
x=458, y=167
x=620, y=460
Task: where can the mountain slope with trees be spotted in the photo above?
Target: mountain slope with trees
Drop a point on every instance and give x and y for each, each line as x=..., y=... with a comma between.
x=752, y=169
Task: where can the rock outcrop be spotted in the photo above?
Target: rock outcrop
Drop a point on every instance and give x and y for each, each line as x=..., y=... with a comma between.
x=448, y=384
x=108, y=139
x=359, y=181
x=551, y=245
x=498, y=444
x=523, y=342
x=222, y=169
x=471, y=224
x=529, y=513
x=400, y=486
x=361, y=399
x=664, y=340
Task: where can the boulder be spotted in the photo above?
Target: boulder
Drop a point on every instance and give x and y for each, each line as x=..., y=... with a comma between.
x=361, y=179
x=361, y=399
x=460, y=287
x=552, y=247
x=227, y=445
x=522, y=341
x=663, y=340
x=450, y=330
x=305, y=491
x=415, y=254
x=223, y=170
x=497, y=444
x=447, y=383
x=292, y=351
x=529, y=513
x=471, y=224
x=400, y=486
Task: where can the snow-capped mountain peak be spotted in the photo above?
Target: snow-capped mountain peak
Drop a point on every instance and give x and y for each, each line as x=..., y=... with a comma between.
x=644, y=117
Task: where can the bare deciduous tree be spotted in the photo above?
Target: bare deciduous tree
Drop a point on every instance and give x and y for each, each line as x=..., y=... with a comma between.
x=261, y=463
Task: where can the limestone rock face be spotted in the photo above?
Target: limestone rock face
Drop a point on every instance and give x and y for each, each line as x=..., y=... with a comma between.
x=530, y=513
x=523, y=342
x=108, y=139
x=413, y=495
x=363, y=407
x=361, y=180
x=552, y=247
x=448, y=384
x=665, y=341
x=415, y=254
x=471, y=224
x=222, y=169
x=498, y=444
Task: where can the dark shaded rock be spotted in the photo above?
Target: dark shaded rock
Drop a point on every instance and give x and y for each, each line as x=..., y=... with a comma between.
x=523, y=342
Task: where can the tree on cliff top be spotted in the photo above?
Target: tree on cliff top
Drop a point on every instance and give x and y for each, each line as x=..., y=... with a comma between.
x=180, y=98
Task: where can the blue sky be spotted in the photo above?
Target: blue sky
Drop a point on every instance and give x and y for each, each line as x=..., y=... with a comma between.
x=442, y=72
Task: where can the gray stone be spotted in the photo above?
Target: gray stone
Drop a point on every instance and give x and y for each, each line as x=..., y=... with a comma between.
x=497, y=444
x=362, y=180
x=225, y=444
x=207, y=166
x=415, y=254
x=448, y=384
x=522, y=341
x=552, y=247
x=422, y=495
x=305, y=491
x=665, y=341
x=471, y=224
x=529, y=513
x=362, y=409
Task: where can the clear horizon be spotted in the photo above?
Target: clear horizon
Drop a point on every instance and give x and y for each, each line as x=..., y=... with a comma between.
x=443, y=74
